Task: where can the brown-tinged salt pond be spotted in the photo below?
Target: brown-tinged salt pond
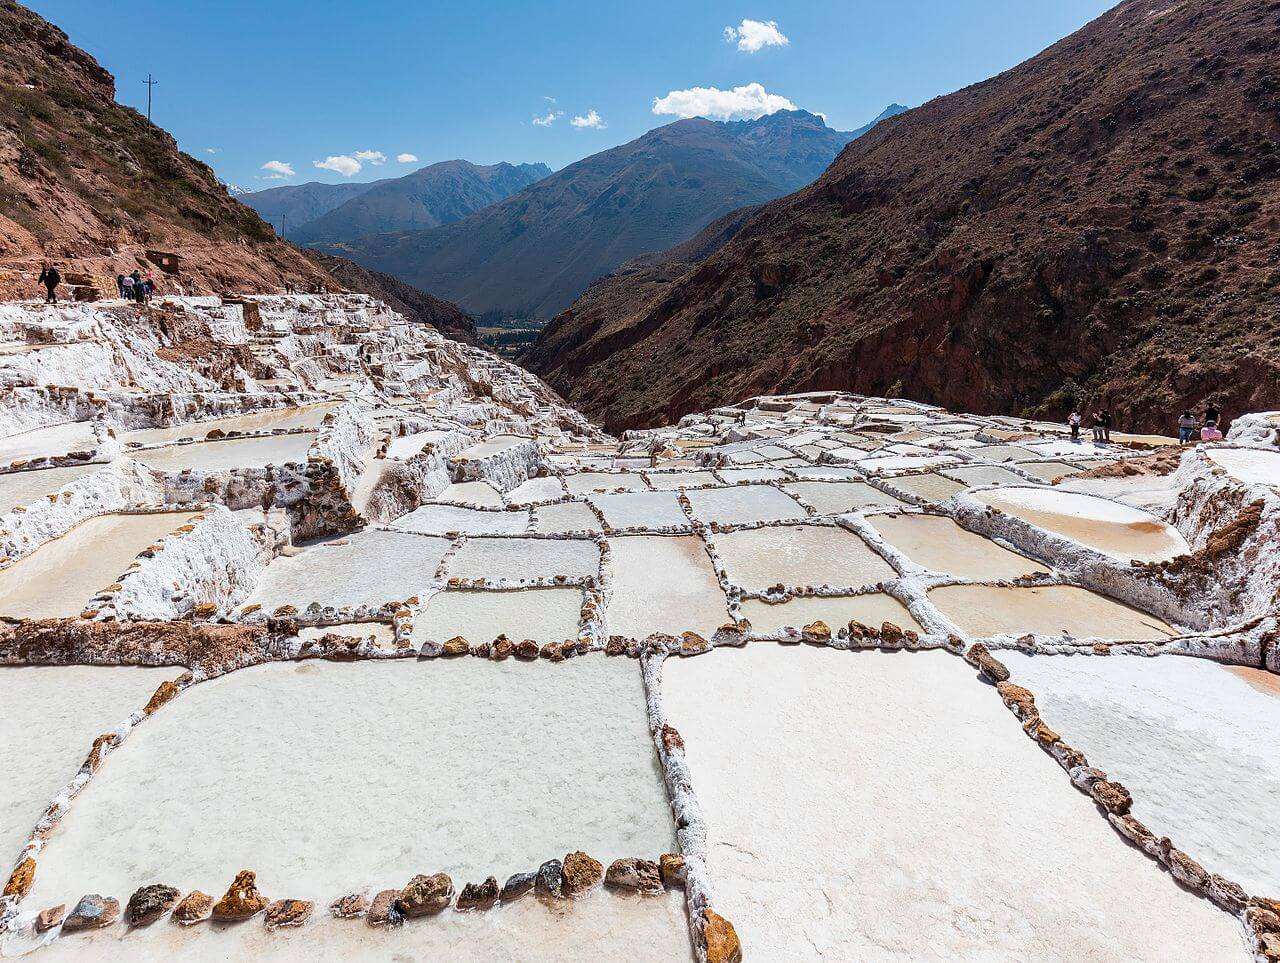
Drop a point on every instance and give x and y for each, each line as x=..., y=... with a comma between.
x=59, y=577
x=937, y=543
x=663, y=584
x=230, y=453
x=1115, y=529
x=50, y=440
x=799, y=555
x=306, y=416
x=986, y=610
x=24, y=487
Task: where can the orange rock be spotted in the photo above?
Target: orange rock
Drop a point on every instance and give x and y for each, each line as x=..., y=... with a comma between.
x=721, y=938
x=241, y=900
x=195, y=907
x=164, y=692
x=20, y=879
x=582, y=873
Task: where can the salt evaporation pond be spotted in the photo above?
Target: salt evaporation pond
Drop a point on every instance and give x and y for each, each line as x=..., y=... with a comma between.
x=492, y=446
x=544, y=615
x=744, y=504
x=930, y=486
x=50, y=718
x=60, y=576
x=584, y=483
x=472, y=493
x=25, y=487
x=566, y=517
x=537, y=490
x=231, y=453
x=937, y=543
x=437, y=519
x=605, y=926
x=663, y=584
x=669, y=481
x=735, y=475
x=515, y=559
x=371, y=567
x=798, y=555
x=641, y=510
x=1192, y=740
x=1050, y=470
x=987, y=610
x=1121, y=531
x=381, y=632
x=51, y=440
x=908, y=846
x=355, y=775
x=871, y=608
x=986, y=475
x=838, y=497
x=1253, y=466
x=305, y=416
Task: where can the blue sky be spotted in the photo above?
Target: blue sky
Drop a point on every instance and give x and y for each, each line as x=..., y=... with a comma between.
x=243, y=82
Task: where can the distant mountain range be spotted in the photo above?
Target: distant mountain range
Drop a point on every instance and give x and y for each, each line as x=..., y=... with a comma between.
x=434, y=195
x=1094, y=227
x=533, y=253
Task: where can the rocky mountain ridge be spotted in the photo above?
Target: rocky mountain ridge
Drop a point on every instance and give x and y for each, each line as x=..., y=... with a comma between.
x=532, y=254
x=1092, y=227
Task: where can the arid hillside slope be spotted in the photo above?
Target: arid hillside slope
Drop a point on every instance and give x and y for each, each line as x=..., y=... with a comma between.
x=1100, y=224
x=95, y=186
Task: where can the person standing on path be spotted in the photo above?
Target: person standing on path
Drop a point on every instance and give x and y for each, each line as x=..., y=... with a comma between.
x=1095, y=422
x=1106, y=425
x=1211, y=413
x=50, y=278
x=1186, y=427
x=1073, y=422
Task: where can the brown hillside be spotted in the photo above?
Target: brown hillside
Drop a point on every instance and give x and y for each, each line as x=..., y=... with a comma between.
x=94, y=186
x=1099, y=224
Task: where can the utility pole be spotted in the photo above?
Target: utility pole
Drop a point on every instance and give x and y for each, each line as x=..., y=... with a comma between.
x=150, y=84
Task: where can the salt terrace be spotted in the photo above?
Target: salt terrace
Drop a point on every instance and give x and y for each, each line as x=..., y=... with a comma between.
x=366, y=644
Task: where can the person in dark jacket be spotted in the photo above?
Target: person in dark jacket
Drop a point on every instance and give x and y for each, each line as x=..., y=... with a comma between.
x=120, y=286
x=139, y=289
x=50, y=278
x=1211, y=414
x=1106, y=424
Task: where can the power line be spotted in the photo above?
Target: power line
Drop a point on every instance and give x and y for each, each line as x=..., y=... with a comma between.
x=150, y=84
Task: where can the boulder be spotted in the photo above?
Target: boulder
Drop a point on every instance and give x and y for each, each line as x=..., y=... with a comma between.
x=21, y=878
x=93, y=912
x=503, y=648
x=195, y=907
x=383, y=909
x=634, y=875
x=430, y=649
x=981, y=659
x=288, y=912
x=721, y=938
x=528, y=649
x=425, y=895
x=550, y=878
x=457, y=646
x=553, y=651
x=1111, y=796
x=671, y=867
x=241, y=900
x=349, y=906
x=817, y=633
x=617, y=645
x=479, y=895
x=517, y=885
x=582, y=873
x=691, y=643
x=149, y=903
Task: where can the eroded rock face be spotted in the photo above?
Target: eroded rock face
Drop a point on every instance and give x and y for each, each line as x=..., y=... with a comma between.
x=242, y=900
x=634, y=875
x=288, y=912
x=149, y=903
x=425, y=895
x=93, y=912
x=582, y=873
x=722, y=939
x=195, y=907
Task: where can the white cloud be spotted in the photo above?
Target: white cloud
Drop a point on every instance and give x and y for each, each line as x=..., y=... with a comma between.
x=277, y=170
x=372, y=156
x=211, y=150
x=550, y=100
x=741, y=103
x=547, y=119
x=752, y=35
x=343, y=164
x=590, y=120
x=407, y=158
